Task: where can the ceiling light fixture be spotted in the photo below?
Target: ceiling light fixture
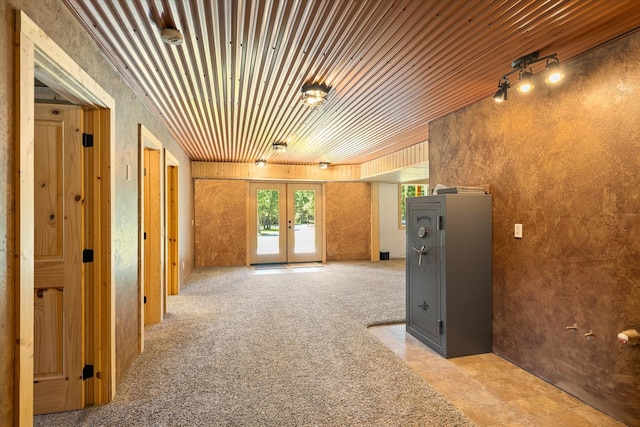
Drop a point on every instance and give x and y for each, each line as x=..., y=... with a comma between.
x=261, y=163
x=280, y=147
x=171, y=36
x=315, y=94
x=324, y=165
x=522, y=66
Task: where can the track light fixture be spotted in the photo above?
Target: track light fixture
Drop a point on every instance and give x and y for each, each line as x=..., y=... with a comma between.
x=522, y=66
x=324, y=165
x=315, y=94
x=261, y=163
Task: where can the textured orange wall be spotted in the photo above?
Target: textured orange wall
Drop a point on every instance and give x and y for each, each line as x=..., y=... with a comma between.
x=565, y=163
x=348, y=221
x=221, y=222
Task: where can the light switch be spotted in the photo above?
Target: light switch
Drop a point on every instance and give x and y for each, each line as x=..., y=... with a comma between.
x=517, y=231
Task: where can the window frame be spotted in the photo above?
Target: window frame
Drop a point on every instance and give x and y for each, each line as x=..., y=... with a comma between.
x=422, y=189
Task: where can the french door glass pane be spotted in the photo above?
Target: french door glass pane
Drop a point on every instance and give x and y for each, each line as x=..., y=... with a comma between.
x=268, y=222
x=305, y=221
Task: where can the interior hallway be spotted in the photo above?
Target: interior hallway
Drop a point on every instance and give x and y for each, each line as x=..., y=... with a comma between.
x=490, y=390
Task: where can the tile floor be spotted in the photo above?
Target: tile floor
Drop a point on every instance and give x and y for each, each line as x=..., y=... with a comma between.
x=490, y=390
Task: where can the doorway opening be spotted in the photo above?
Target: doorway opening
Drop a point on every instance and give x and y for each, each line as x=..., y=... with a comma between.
x=286, y=223
x=38, y=57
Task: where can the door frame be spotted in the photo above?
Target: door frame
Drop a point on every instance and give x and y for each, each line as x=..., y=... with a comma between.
x=38, y=56
x=148, y=141
x=172, y=226
x=282, y=186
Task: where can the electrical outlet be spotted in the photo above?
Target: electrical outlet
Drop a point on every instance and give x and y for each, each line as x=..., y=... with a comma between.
x=517, y=231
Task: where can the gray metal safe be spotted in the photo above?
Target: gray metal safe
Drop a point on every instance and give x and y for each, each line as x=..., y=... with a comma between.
x=449, y=290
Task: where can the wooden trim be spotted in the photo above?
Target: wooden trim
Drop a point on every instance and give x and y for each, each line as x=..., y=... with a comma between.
x=414, y=155
x=24, y=236
x=375, y=221
x=141, y=130
x=401, y=226
x=98, y=225
x=410, y=156
x=324, y=222
x=38, y=56
x=222, y=170
x=170, y=159
x=248, y=200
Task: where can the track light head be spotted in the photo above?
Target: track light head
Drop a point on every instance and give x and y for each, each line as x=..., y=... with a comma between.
x=526, y=81
x=261, y=163
x=554, y=73
x=501, y=94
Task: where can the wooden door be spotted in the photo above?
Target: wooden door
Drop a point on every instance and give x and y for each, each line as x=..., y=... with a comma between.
x=153, y=256
x=58, y=268
x=172, y=227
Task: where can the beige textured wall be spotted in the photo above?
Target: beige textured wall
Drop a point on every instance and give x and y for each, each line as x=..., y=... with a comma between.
x=221, y=222
x=62, y=28
x=348, y=221
x=565, y=163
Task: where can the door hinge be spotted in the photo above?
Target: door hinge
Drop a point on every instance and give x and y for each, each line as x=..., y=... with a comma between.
x=440, y=223
x=87, y=255
x=145, y=299
x=440, y=327
x=87, y=372
x=145, y=235
x=144, y=171
x=87, y=140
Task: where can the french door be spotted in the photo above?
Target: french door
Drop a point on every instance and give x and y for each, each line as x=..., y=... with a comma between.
x=285, y=223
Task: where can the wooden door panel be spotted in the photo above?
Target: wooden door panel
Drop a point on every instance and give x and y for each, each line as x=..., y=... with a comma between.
x=172, y=257
x=153, y=282
x=48, y=190
x=58, y=240
x=47, y=362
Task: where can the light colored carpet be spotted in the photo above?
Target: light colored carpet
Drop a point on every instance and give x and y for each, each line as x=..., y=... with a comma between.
x=240, y=348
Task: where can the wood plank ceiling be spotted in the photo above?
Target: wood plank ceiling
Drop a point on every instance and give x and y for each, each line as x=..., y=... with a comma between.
x=232, y=88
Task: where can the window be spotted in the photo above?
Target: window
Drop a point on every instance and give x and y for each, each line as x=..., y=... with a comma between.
x=404, y=191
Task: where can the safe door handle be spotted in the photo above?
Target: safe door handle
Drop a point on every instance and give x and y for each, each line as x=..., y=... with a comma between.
x=420, y=252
